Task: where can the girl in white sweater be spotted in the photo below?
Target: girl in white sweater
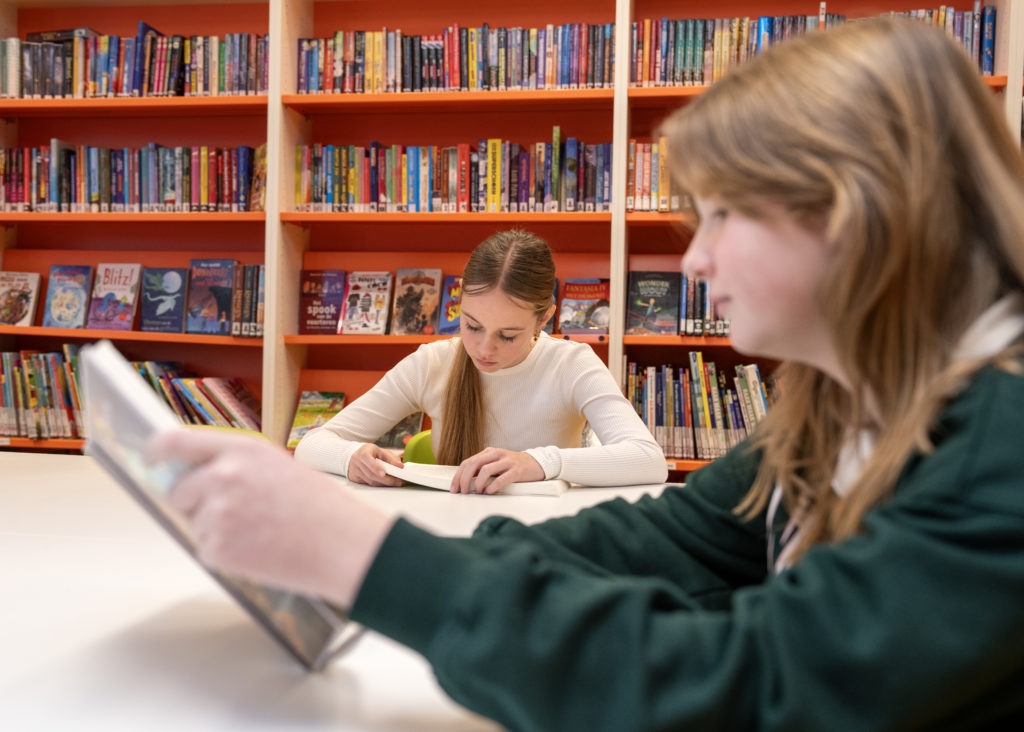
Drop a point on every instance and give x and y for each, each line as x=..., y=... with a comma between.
x=507, y=403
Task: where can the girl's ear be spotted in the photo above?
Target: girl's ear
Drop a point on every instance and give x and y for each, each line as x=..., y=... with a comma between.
x=543, y=320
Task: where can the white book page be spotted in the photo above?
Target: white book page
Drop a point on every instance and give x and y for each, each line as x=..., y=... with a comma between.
x=440, y=478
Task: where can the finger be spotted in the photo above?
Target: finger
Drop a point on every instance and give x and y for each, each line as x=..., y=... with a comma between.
x=187, y=495
x=388, y=456
x=496, y=471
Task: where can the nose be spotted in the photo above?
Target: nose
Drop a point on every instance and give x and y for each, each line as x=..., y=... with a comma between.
x=697, y=260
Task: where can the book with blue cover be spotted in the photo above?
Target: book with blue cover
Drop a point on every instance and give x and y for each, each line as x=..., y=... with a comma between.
x=451, y=305
x=162, y=300
x=209, y=299
x=67, y=296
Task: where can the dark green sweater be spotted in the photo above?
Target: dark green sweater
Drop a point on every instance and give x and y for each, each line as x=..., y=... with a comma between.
x=663, y=615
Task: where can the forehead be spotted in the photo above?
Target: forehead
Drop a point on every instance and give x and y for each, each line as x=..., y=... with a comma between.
x=495, y=309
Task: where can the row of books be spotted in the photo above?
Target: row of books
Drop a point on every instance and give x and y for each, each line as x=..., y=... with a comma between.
x=81, y=62
x=498, y=176
x=698, y=51
x=216, y=296
x=648, y=183
x=40, y=395
x=565, y=56
x=670, y=303
x=691, y=410
x=63, y=177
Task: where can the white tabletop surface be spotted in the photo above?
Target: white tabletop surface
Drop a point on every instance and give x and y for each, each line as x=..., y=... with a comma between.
x=106, y=624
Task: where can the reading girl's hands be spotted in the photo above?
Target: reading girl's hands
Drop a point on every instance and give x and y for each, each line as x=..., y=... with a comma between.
x=256, y=512
x=363, y=466
x=492, y=469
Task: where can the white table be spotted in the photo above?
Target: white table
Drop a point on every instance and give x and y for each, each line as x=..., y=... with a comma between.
x=106, y=624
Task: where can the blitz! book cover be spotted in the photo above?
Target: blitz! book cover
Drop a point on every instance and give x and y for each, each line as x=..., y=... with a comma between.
x=115, y=294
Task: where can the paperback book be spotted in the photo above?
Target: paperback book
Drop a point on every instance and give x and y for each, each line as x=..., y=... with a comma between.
x=439, y=477
x=210, y=287
x=67, y=296
x=122, y=413
x=417, y=301
x=584, y=306
x=321, y=299
x=314, y=409
x=19, y=293
x=652, y=303
x=162, y=300
x=451, y=305
x=115, y=293
x=367, y=303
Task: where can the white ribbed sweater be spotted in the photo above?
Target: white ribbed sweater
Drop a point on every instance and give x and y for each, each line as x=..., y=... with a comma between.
x=538, y=406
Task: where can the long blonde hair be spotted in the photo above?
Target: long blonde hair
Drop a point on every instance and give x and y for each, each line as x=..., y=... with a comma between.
x=520, y=265
x=881, y=134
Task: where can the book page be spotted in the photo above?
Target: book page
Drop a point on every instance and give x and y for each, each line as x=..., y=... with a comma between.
x=440, y=477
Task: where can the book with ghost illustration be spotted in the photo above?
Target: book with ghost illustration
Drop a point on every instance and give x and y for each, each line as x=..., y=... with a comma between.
x=122, y=412
x=162, y=299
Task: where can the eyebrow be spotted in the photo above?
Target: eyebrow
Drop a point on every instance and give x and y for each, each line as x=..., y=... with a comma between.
x=510, y=327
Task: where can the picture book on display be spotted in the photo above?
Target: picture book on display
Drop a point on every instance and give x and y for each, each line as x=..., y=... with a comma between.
x=321, y=298
x=314, y=409
x=417, y=300
x=652, y=303
x=451, y=305
x=209, y=300
x=367, y=303
x=440, y=477
x=67, y=296
x=19, y=293
x=398, y=436
x=584, y=306
x=162, y=299
x=115, y=292
x=122, y=413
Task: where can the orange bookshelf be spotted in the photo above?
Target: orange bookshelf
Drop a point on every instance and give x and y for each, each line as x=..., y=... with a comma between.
x=23, y=443
x=134, y=107
x=453, y=101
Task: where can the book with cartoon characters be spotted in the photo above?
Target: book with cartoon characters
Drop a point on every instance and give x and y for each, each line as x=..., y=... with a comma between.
x=416, y=302
x=162, y=300
x=209, y=302
x=19, y=292
x=114, y=296
x=367, y=303
x=67, y=296
x=652, y=303
x=451, y=305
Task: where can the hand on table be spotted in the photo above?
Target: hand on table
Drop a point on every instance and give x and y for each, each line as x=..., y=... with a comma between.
x=492, y=469
x=364, y=468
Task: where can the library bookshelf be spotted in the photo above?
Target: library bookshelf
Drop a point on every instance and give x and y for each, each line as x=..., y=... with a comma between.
x=607, y=244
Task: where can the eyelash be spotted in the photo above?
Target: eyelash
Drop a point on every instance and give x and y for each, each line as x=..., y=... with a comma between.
x=476, y=329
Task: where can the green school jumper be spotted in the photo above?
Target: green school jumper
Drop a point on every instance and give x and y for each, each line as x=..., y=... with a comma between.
x=664, y=614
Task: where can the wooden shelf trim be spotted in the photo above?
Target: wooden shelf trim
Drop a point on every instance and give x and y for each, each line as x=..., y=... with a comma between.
x=677, y=340
x=397, y=340
x=452, y=100
x=562, y=217
x=15, y=217
x=24, y=443
x=665, y=95
x=130, y=335
x=135, y=107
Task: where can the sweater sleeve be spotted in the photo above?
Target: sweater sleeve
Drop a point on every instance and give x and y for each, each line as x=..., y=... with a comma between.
x=628, y=453
x=912, y=624
x=398, y=394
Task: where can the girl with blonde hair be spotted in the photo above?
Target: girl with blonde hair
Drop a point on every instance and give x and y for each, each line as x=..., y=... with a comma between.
x=859, y=562
x=506, y=401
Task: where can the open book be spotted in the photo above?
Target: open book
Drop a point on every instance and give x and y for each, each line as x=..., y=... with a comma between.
x=122, y=412
x=440, y=477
